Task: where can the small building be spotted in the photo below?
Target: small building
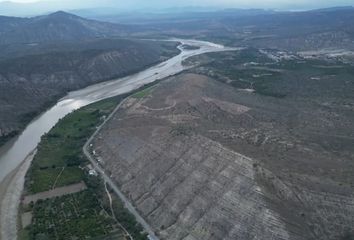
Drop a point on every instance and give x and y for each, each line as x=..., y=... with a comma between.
x=93, y=172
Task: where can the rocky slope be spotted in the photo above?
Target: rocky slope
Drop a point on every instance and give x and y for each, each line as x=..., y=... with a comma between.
x=29, y=83
x=175, y=152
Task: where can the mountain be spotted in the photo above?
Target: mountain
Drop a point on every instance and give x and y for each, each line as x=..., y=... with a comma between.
x=43, y=57
x=173, y=15
x=296, y=31
x=58, y=26
x=334, y=9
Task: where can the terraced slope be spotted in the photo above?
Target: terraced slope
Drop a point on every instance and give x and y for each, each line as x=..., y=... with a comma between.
x=172, y=151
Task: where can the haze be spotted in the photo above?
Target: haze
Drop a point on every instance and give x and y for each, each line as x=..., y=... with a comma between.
x=33, y=7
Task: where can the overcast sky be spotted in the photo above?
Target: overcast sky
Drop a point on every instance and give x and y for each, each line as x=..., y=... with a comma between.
x=172, y=3
x=53, y=5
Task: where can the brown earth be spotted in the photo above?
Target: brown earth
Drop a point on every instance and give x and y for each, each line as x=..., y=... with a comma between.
x=56, y=192
x=176, y=154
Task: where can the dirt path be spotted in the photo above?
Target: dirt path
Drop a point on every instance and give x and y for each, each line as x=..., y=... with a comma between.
x=114, y=215
x=56, y=180
x=160, y=109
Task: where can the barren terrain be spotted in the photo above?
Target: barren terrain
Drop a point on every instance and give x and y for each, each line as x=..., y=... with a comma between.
x=202, y=160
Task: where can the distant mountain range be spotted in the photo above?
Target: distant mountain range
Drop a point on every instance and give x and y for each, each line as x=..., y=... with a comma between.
x=298, y=31
x=322, y=28
x=63, y=44
x=57, y=26
x=316, y=29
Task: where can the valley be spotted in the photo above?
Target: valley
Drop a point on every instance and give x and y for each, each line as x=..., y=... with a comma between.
x=14, y=167
x=44, y=74
x=177, y=124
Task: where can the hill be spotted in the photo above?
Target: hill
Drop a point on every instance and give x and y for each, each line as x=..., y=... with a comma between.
x=58, y=26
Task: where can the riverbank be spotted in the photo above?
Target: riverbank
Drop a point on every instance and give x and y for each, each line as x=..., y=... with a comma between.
x=58, y=151
x=11, y=190
x=58, y=164
x=4, y=186
x=30, y=137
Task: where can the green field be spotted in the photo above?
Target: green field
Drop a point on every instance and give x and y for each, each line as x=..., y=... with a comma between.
x=78, y=216
x=60, y=151
x=43, y=180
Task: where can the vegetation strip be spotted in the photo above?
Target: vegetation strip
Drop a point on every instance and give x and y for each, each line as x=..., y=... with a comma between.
x=59, y=162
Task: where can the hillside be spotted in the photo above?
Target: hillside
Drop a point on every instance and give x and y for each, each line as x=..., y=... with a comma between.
x=233, y=164
x=58, y=26
x=31, y=82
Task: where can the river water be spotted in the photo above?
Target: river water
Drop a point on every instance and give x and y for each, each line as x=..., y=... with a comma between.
x=13, y=153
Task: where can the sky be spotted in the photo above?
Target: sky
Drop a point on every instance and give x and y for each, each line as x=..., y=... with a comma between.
x=37, y=6
x=172, y=3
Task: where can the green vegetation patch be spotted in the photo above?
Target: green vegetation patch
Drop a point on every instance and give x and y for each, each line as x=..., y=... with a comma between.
x=47, y=179
x=286, y=78
x=75, y=216
x=60, y=151
x=127, y=220
x=59, y=162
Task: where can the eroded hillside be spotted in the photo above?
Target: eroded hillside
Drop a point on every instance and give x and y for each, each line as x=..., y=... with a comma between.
x=202, y=160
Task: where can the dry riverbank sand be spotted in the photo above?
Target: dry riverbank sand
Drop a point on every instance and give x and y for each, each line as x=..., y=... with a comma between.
x=10, y=196
x=3, y=189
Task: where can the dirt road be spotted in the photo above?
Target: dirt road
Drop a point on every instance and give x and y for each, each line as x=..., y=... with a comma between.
x=114, y=187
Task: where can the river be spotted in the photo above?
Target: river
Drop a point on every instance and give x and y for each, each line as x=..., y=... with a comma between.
x=13, y=154
x=16, y=151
